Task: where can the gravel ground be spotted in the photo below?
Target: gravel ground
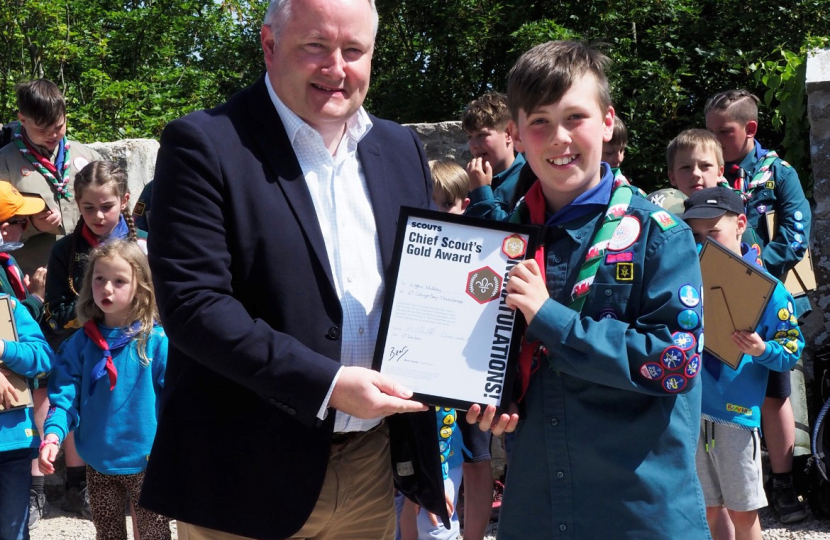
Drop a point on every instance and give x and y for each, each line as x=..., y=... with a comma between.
x=62, y=526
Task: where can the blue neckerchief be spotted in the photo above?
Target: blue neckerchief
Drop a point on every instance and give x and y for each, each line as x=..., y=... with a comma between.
x=121, y=230
x=594, y=199
x=61, y=157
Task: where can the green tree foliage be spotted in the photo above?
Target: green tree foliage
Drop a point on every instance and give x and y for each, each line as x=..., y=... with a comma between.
x=130, y=66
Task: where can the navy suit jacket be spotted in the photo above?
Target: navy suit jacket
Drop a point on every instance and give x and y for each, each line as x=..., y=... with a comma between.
x=246, y=296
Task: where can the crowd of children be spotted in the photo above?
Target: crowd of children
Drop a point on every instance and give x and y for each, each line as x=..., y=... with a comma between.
x=612, y=301
x=94, y=305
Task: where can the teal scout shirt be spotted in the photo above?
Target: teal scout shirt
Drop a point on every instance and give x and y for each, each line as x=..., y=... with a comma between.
x=606, y=444
x=499, y=199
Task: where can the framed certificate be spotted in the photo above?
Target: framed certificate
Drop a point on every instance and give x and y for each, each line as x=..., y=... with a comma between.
x=736, y=294
x=446, y=332
x=8, y=331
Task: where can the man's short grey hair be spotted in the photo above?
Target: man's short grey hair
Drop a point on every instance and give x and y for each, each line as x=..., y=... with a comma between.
x=279, y=11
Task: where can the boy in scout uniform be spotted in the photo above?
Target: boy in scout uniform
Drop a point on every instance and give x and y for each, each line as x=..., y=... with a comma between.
x=40, y=160
x=610, y=400
x=766, y=184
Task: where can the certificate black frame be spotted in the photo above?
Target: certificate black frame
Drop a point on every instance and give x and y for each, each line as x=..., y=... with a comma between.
x=533, y=237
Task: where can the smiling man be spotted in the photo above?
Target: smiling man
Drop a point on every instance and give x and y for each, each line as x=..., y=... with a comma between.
x=278, y=211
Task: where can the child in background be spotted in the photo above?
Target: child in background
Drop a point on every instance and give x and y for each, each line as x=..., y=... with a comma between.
x=112, y=402
x=15, y=211
x=494, y=170
x=30, y=357
x=42, y=161
x=729, y=449
x=613, y=152
x=450, y=187
x=695, y=161
x=102, y=194
x=767, y=184
x=602, y=302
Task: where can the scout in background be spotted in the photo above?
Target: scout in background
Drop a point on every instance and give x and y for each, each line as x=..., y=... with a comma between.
x=613, y=152
x=30, y=357
x=449, y=193
x=767, y=184
x=102, y=198
x=42, y=161
x=494, y=170
x=604, y=311
x=15, y=212
x=729, y=449
x=106, y=386
x=141, y=210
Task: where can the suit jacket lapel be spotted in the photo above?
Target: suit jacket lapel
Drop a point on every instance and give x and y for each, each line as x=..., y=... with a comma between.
x=377, y=181
x=269, y=133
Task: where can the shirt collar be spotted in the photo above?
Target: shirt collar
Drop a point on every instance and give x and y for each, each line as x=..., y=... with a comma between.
x=356, y=127
x=585, y=203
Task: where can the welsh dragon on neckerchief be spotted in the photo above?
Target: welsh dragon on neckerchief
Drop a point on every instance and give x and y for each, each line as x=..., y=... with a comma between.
x=57, y=174
x=106, y=366
x=532, y=210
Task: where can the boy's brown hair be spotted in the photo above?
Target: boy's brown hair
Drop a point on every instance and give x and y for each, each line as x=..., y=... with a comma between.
x=738, y=105
x=620, y=134
x=449, y=178
x=544, y=73
x=488, y=111
x=41, y=101
x=692, y=139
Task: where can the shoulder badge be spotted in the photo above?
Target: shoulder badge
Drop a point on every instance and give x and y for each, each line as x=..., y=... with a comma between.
x=664, y=220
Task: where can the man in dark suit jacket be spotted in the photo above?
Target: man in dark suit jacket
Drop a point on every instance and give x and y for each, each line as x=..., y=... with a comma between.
x=273, y=226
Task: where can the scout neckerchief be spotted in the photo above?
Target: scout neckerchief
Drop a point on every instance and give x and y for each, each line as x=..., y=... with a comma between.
x=57, y=174
x=105, y=366
x=13, y=273
x=120, y=231
x=762, y=175
x=533, y=210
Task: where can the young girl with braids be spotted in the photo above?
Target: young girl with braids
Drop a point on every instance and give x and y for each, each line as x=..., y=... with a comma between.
x=106, y=386
x=102, y=195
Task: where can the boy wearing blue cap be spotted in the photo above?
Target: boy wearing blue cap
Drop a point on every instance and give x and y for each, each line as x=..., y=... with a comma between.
x=729, y=451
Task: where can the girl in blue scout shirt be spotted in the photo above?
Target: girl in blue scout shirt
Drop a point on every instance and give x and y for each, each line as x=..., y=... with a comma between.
x=106, y=385
x=30, y=356
x=102, y=195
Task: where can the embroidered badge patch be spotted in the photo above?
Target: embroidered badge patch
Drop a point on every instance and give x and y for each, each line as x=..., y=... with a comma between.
x=688, y=319
x=689, y=296
x=684, y=340
x=798, y=216
x=783, y=314
x=651, y=371
x=770, y=184
x=139, y=209
x=514, y=246
x=626, y=233
x=664, y=220
x=25, y=172
x=674, y=383
x=692, y=366
x=672, y=357
x=700, y=343
x=625, y=271
x=607, y=313
x=618, y=257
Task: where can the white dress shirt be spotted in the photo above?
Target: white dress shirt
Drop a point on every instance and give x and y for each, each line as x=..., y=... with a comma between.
x=341, y=200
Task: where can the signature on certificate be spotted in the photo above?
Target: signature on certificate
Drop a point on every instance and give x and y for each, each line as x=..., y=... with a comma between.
x=397, y=354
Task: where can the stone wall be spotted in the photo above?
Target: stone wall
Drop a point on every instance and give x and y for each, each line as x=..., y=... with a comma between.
x=817, y=330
